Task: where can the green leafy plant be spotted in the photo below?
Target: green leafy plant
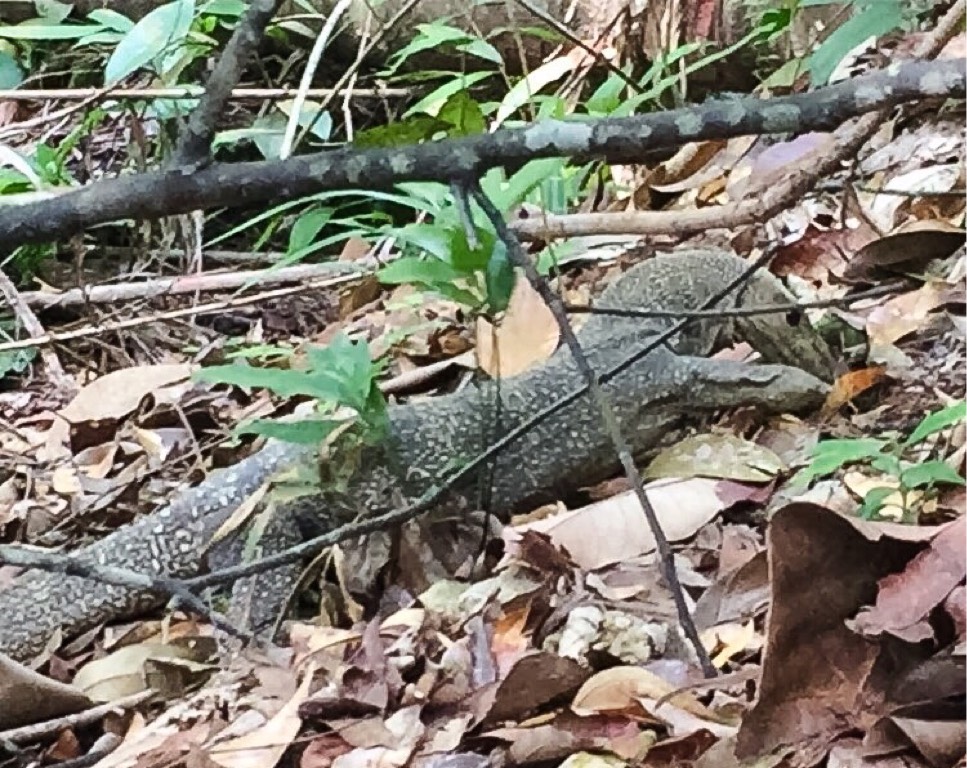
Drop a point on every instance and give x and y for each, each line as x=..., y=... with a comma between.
x=890, y=458
x=341, y=378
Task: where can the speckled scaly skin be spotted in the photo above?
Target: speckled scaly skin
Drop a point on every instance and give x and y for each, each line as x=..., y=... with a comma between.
x=568, y=450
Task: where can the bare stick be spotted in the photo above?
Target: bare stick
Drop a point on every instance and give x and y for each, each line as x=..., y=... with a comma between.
x=173, y=286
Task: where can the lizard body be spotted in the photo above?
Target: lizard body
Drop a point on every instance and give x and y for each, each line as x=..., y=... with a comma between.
x=428, y=437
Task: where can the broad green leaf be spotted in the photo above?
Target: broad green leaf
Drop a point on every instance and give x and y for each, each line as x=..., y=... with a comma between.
x=283, y=383
x=230, y=8
x=100, y=38
x=482, y=50
x=410, y=269
x=433, y=101
x=527, y=87
x=10, y=73
x=111, y=19
x=49, y=31
x=428, y=37
x=162, y=30
x=873, y=501
x=830, y=455
x=877, y=19
x=606, y=97
x=307, y=226
x=431, y=238
x=466, y=259
x=928, y=473
x=500, y=278
x=463, y=113
x=413, y=130
x=309, y=432
x=935, y=422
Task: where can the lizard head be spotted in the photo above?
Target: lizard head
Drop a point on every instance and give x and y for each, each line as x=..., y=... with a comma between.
x=785, y=337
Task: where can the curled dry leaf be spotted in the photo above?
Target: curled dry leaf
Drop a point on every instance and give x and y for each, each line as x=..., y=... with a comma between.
x=851, y=384
x=720, y=455
x=527, y=335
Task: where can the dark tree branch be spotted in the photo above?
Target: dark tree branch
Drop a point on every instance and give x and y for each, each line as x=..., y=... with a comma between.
x=194, y=144
x=162, y=193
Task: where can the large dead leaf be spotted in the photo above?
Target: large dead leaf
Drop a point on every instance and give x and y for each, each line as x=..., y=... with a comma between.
x=527, y=335
x=820, y=679
x=615, y=529
x=906, y=599
x=116, y=394
x=904, y=314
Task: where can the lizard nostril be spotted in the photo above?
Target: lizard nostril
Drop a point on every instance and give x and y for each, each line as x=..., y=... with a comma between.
x=794, y=317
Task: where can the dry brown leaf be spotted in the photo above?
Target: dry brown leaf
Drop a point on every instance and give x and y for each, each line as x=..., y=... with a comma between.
x=905, y=600
x=851, y=384
x=122, y=673
x=116, y=394
x=528, y=334
x=615, y=529
x=264, y=746
x=622, y=689
x=904, y=314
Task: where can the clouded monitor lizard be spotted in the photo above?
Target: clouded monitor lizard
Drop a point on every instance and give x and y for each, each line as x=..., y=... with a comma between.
x=672, y=383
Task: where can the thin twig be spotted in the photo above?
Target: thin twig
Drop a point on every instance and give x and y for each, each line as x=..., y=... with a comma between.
x=666, y=557
x=70, y=565
x=31, y=733
x=200, y=309
x=192, y=92
x=315, y=57
x=35, y=330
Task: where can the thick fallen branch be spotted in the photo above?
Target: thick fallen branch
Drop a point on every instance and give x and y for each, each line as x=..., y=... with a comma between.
x=162, y=193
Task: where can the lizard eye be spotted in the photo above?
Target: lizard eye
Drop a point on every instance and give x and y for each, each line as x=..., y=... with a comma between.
x=794, y=317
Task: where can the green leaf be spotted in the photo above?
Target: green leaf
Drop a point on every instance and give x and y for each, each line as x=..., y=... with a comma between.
x=935, y=422
x=29, y=31
x=413, y=130
x=876, y=20
x=929, y=473
x=430, y=273
x=433, y=101
x=465, y=259
x=607, y=96
x=413, y=269
x=10, y=73
x=888, y=464
x=463, y=114
x=163, y=29
x=111, y=19
x=307, y=226
x=428, y=37
x=308, y=432
x=830, y=455
x=283, y=383
x=500, y=278
x=482, y=50
x=873, y=502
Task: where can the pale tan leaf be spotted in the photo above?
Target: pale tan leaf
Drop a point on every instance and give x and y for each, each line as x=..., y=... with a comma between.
x=528, y=334
x=615, y=529
x=264, y=746
x=720, y=455
x=116, y=394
